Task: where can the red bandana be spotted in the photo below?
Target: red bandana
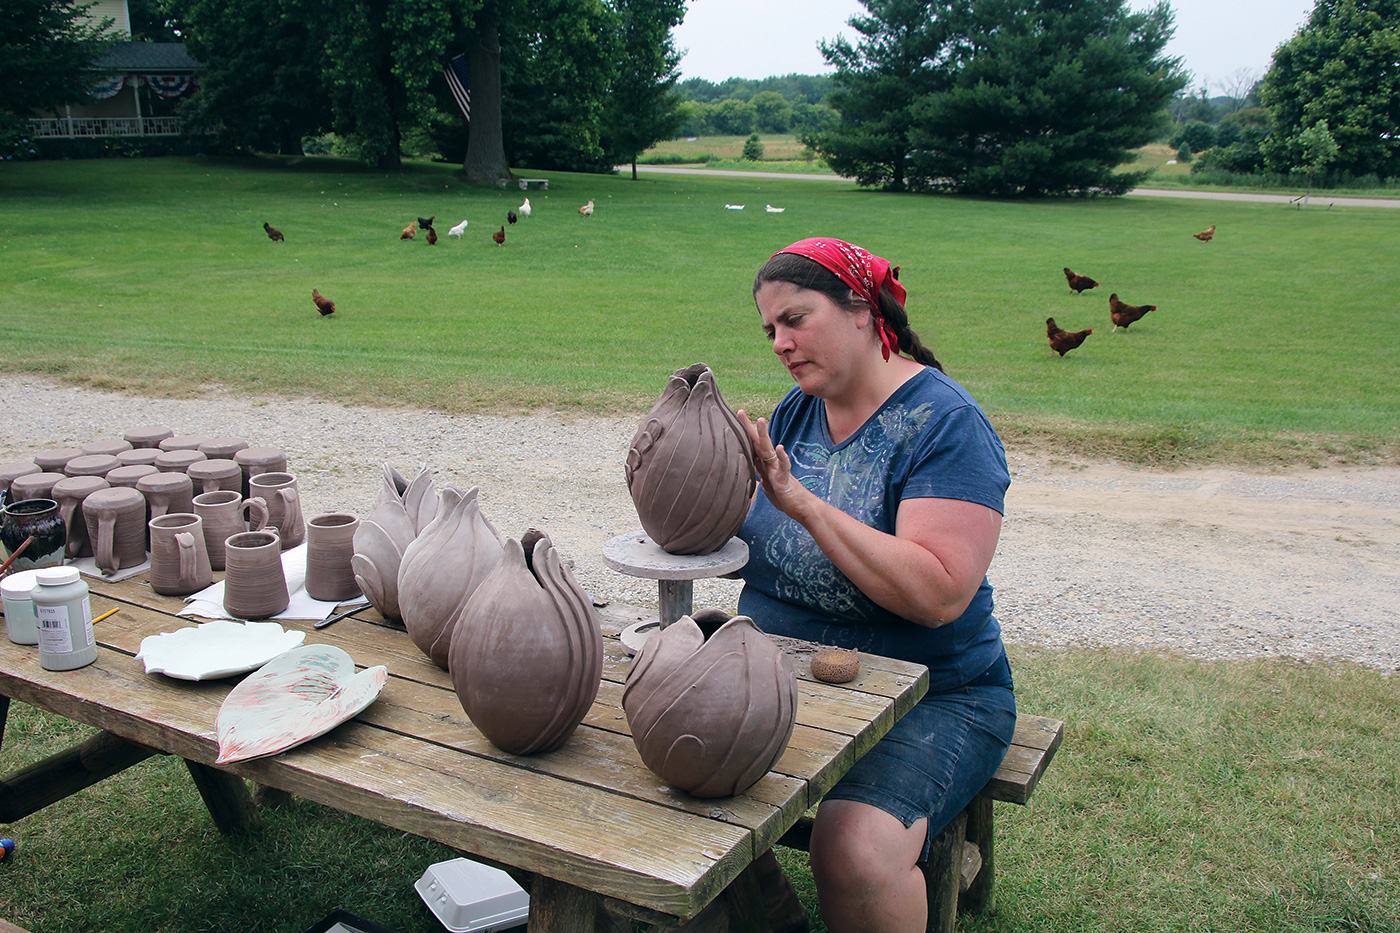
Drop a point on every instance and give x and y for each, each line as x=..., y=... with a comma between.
x=862, y=270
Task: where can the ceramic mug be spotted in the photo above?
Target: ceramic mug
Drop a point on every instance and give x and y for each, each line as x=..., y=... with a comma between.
x=177, y=461
x=330, y=545
x=116, y=522
x=182, y=442
x=9, y=472
x=279, y=491
x=129, y=475
x=139, y=456
x=255, y=586
x=54, y=460
x=34, y=486
x=41, y=519
x=255, y=460
x=91, y=465
x=69, y=493
x=223, y=515
x=106, y=445
x=166, y=492
x=147, y=437
x=179, y=556
x=210, y=475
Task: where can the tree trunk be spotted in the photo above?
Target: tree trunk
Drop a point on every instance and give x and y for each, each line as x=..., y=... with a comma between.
x=486, y=153
x=634, y=168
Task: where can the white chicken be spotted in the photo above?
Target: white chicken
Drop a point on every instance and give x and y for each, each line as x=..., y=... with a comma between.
x=524, y=209
x=458, y=230
x=587, y=209
x=734, y=207
x=773, y=210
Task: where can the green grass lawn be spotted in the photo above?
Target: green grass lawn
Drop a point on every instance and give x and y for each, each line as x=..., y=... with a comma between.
x=1276, y=340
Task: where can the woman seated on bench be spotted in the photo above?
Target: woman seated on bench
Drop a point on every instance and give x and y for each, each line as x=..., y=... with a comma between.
x=879, y=513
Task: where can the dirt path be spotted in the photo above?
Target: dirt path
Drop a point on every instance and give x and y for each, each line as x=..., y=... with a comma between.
x=1214, y=562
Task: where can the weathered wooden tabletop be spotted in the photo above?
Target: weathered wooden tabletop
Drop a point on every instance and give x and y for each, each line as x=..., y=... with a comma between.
x=589, y=817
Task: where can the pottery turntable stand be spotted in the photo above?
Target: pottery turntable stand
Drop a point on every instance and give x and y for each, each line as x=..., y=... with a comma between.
x=636, y=555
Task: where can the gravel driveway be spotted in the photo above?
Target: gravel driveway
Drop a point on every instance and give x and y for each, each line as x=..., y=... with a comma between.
x=1216, y=563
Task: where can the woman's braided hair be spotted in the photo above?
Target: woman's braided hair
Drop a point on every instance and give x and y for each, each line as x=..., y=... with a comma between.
x=807, y=273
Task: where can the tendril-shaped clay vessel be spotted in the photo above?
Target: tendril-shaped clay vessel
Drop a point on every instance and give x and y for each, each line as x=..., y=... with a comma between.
x=401, y=510
x=690, y=466
x=443, y=567
x=527, y=654
x=712, y=716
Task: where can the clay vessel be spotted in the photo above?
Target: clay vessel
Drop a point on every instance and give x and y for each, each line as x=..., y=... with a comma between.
x=106, y=445
x=177, y=461
x=91, y=465
x=441, y=569
x=179, y=556
x=418, y=498
x=690, y=466
x=69, y=493
x=255, y=460
x=255, y=586
x=225, y=514
x=182, y=442
x=209, y=475
x=116, y=520
x=279, y=491
x=710, y=717
x=139, y=456
x=129, y=475
x=527, y=653
x=34, y=486
x=147, y=437
x=9, y=472
x=330, y=545
x=40, y=518
x=387, y=532
x=222, y=448
x=53, y=460
x=166, y=492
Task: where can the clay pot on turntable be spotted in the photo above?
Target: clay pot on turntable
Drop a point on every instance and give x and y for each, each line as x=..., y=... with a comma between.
x=527, y=651
x=179, y=556
x=441, y=569
x=710, y=717
x=69, y=493
x=690, y=466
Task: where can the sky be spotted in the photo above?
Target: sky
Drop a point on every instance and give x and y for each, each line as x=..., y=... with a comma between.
x=761, y=38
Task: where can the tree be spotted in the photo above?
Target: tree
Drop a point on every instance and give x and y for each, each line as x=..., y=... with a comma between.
x=1340, y=67
x=772, y=112
x=1037, y=97
x=1317, y=149
x=1239, y=88
x=753, y=149
x=643, y=106
x=48, y=48
x=733, y=117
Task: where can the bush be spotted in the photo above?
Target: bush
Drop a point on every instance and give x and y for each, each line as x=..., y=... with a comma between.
x=1200, y=136
x=753, y=149
x=1183, y=153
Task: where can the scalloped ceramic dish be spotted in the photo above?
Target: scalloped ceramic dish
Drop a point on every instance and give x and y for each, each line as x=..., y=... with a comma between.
x=216, y=649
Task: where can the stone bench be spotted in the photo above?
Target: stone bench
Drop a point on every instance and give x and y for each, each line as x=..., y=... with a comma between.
x=959, y=872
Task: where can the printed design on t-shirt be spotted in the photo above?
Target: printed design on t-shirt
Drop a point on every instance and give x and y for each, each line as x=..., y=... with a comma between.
x=853, y=478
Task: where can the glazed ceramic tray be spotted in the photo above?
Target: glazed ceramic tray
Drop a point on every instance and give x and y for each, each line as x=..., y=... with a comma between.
x=297, y=696
x=216, y=649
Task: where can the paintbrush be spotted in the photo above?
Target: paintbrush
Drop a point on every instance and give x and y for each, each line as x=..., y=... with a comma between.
x=18, y=551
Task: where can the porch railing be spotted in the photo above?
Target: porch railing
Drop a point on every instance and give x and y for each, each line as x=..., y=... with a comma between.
x=86, y=127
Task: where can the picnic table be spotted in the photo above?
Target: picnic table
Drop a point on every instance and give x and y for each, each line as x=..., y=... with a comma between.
x=593, y=834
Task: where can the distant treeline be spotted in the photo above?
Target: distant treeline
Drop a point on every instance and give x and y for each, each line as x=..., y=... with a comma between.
x=739, y=106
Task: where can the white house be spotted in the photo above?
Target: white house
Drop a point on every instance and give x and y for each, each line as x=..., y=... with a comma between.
x=136, y=86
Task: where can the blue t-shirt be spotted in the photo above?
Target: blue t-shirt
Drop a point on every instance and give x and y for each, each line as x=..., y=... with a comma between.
x=929, y=439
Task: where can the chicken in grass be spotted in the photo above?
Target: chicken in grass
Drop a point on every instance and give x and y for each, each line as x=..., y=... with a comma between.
x=426, y=223
x=1205, y=235
x=273, y=233
x=323, y=304
x=510, y=217
x=587, y=209
x=1061, y=340
x=410, y=231
x=500, y=237
x=458, y=230
x=524, y=209
x=1080, y=283
x=1124, y=314
x=432, y=237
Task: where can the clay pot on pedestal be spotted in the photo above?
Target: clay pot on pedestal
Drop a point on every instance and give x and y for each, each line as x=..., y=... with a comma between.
x=255, y=460
x=710, y=717
x=441, y=569
x=387, y=531
x=527, y=651
x=690, y=467
x=9, y=472
x=130, y=475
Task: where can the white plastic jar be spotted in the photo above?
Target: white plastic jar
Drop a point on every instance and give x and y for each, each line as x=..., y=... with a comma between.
x=63, y=613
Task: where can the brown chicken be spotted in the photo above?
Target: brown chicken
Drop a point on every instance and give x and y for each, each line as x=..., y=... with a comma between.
x=273, y=233
x=323, y=304
x=1123, y=315
x=1061, y=340
x=432, y=237
x=1080, y=283
x=500, y=237
x=1205, y=235
x=410, y=231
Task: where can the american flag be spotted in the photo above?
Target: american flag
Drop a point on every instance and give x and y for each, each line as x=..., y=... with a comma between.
x=459, y=83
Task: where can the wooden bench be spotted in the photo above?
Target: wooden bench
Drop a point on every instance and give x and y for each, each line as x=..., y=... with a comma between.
x=960, y=869
x=526, y=182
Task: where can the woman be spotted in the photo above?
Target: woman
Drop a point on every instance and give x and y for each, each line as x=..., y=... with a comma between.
x=879, y=512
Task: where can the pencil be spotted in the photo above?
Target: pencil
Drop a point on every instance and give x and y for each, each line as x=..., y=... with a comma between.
x=109, y=612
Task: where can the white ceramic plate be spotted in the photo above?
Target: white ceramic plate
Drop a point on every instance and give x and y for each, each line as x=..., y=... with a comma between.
x=216, y=649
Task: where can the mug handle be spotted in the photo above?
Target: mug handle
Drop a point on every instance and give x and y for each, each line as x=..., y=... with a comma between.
x=72, y=544
x=102, y=547
x=185, y=542
x=291, y=506
x=258, y=506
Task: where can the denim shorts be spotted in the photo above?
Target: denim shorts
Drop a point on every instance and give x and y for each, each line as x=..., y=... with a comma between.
x=939, y=755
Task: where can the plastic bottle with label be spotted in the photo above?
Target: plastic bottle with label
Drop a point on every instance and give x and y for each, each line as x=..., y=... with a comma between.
x=63, y=612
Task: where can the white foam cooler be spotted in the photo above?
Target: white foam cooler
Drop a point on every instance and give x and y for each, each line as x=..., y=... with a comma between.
x=469, y=897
